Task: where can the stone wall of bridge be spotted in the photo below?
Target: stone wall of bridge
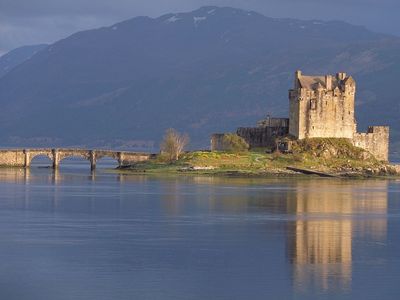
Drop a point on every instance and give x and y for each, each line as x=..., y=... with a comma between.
x=12, y=158
x=24, y=157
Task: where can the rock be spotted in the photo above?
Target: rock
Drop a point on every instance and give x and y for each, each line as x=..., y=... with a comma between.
x=196, y=168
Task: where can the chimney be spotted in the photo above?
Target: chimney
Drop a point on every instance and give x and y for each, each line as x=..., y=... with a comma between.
x=328, y=82
x=297, y=77
x=341, y=76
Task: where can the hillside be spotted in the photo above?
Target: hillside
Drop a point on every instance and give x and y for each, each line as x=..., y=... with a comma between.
x=17, y=56
x=210, y=70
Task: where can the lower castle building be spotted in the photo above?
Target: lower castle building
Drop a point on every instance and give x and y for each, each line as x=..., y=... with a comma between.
x=319, y=107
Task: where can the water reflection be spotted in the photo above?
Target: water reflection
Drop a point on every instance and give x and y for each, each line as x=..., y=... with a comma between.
x=212, y=223
x=320, y=240
x=328, y=216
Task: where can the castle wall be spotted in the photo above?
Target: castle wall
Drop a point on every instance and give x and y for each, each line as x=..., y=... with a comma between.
x=273, y=122
x=322, y=109
x=262, y=137
x=217, y=142
x=294, y=111
x=375, y=141
x=322, y=114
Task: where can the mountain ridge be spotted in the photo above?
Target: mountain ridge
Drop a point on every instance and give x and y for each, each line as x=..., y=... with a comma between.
x=202, y=72
x=17, y=56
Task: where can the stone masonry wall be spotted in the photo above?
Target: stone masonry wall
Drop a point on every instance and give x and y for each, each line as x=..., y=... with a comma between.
x=23, y=158
x=12, y=158
x=217, y=142
x=321, y=108
x=259, y=137
x=376, y=141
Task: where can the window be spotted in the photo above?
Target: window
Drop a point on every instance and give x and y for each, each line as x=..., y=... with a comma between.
x=313, y=104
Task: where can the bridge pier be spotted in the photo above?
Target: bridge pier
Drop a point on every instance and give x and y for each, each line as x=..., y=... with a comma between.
x=27, y=160
x=92, y=159
x=120, y=159
x=56, y=158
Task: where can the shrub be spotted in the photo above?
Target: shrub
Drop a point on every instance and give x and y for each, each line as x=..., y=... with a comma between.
x=234, y=143
x=329, y=148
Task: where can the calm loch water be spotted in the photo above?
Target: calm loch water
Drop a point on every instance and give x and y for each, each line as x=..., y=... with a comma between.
x=77, y=235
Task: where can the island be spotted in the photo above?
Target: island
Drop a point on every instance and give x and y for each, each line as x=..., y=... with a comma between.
x=320, y=137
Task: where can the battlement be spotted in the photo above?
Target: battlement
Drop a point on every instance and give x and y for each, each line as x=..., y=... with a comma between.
x=378, y=129
x=375, y=140
x=273, y=122
x=339, y=82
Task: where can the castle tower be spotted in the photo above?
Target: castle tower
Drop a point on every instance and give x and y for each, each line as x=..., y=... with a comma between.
x=322, y=106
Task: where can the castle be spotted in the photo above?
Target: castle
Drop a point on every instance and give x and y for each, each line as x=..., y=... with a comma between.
x=319, y=107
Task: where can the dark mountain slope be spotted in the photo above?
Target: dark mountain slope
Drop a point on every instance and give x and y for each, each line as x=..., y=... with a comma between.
x=17, y=56
x=209, y=70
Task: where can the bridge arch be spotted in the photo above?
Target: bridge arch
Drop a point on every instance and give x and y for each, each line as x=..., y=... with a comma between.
x=61, y=155
x=64, y=156
x=25, y=157
x=109, y=160
x=71, y=159
x=32, y=154
x=37, y=160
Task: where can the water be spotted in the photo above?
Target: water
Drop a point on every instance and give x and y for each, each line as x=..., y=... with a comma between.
x=75, y=235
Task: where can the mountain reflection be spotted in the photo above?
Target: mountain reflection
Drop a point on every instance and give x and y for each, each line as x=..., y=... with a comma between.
x=328, y=218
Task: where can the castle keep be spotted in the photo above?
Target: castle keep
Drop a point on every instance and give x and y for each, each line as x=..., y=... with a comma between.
x=322, y=106
x=319, y=107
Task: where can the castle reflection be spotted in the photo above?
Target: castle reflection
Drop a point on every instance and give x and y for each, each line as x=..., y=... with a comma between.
x=325, y=217
x=328, y=218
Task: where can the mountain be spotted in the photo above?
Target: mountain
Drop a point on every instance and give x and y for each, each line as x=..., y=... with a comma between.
x=210, y=70
x=17, y=56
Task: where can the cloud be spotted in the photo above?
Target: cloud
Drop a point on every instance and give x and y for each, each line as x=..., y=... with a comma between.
x=25, y=22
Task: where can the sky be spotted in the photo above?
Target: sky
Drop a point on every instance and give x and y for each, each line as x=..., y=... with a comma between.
x=27, y=22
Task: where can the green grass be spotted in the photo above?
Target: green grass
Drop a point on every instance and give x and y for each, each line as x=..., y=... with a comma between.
x=326, y=155
x=250, y=163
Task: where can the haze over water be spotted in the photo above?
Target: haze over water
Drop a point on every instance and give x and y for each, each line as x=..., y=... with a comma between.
x=75, y=235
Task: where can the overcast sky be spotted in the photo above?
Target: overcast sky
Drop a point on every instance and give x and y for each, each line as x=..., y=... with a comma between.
x=24, y=22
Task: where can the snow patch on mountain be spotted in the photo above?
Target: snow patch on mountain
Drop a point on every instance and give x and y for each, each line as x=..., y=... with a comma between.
x=197, y=20
x=173, y=19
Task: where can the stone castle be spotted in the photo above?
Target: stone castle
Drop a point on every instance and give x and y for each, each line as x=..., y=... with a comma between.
x=319, y=107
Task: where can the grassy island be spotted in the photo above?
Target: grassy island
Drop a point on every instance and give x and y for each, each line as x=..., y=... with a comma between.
x=335, y=157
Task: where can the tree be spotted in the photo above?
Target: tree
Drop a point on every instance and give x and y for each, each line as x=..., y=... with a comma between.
x=173, y=144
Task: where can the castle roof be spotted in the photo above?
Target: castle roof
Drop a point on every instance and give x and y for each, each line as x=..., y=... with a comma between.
x=349, y=80
x=313, y=82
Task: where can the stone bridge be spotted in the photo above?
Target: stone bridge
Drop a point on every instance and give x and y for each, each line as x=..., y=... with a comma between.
x=24, y=157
